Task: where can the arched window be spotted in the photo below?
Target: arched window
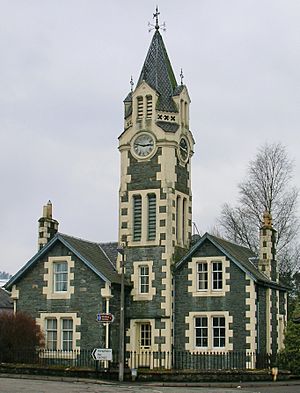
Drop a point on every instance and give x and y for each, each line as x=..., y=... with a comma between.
x=186, y=115
x=140, y=105
x=149, y=106
x=137, y=217
x=183, y=221
x=151, y=216
x=182, y=111
x=178, y=219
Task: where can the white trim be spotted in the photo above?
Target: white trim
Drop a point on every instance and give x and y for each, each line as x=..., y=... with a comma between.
x=190, y=332
x=48, y=289
x=135, y=278
x=193, y=276
x=59, y=316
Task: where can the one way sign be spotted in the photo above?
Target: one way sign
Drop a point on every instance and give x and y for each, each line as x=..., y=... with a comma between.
x=102, y=354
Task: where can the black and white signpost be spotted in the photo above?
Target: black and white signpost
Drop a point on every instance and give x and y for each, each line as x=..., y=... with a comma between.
x=104, y=354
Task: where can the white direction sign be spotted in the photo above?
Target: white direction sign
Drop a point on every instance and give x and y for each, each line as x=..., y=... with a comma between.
x=102, y=354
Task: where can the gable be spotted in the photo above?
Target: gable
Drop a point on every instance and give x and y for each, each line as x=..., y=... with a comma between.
x=89, y=253
x=210, y=245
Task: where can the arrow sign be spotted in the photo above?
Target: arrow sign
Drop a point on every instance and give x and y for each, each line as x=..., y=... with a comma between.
x=102, y=354
x=105, y=317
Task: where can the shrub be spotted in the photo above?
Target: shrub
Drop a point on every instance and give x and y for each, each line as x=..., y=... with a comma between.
x=19, y=337
x=289, y=358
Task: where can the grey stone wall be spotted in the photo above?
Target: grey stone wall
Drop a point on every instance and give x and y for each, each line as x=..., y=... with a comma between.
x=143, y=173
x=146, y=309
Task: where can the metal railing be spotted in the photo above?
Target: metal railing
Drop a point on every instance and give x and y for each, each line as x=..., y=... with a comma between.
x=178, y=360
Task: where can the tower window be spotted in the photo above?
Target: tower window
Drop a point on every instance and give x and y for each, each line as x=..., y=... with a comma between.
x=144, y=279
x=137, y=217
x=183, y=220
x=149, y=106
x=178, y=199
x=151, y=216
x=186, y=115
x=140, y=104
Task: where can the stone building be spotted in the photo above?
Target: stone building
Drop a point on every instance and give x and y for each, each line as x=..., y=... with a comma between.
x=182, y=294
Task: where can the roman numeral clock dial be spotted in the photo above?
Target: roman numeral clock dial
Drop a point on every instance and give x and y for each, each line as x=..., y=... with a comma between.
x=143, y=145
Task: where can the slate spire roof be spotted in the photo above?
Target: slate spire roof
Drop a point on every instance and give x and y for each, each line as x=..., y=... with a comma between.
x=158, y=73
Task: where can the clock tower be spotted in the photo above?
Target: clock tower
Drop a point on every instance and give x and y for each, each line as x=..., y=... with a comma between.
x=155, y=213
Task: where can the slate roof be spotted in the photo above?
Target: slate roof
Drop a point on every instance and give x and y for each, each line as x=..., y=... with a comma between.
x=168, y=127
x=6, y=302
x=102, y=256
x=99, y=257
x=178, y=90
x=242, y=256
x=158, y=73
x=128, y=97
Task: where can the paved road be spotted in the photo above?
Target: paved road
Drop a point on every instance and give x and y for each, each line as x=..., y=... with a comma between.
x=12, y=385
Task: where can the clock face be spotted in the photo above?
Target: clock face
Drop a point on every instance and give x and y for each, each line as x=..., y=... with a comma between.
x=143, y=145
x=183, y=149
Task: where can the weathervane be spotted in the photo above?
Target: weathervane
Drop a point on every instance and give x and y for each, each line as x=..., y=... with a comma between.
x=181, y=77
x=131, y=84
x=157, y=26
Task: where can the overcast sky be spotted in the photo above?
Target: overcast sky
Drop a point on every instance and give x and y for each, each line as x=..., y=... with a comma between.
x=65, y=69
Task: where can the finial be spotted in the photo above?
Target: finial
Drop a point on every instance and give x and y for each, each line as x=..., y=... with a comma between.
x=267, y=219
x=181, y=77
x=131, y=84
x=156, y=18
x=157, y=26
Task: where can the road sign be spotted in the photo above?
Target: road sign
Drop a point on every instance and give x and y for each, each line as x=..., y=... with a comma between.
x=102, y=354
x=105, y=317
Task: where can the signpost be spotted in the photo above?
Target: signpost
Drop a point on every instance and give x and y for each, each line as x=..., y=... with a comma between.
x=105, y=317
x=102, y=354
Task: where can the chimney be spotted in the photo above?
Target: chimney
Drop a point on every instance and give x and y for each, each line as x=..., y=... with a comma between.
x=48, y=227
x=267, y=248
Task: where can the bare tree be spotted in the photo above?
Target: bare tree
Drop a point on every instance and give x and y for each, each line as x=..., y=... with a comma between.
x=266, y=188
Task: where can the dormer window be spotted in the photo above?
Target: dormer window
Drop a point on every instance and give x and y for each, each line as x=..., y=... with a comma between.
x=140, y=107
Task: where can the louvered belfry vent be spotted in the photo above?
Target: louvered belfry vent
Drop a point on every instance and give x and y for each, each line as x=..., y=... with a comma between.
x=137, y=217
x=151, y=216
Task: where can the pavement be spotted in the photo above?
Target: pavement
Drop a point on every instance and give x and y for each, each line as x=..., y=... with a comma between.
x=227, y=385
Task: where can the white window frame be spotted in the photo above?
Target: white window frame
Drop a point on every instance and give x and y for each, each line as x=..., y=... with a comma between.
x=50, y=278
x=192, y=333
x=51, y=334
x=145, y=332
x=144, y=284
x=216, y=330
x=70, y=352
x=60, y=277
x=213, y=276
x=202, y=276
x=211, y=332
x=199, y=330
x=67, y=334
x=197, y=276
x=136, y=279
